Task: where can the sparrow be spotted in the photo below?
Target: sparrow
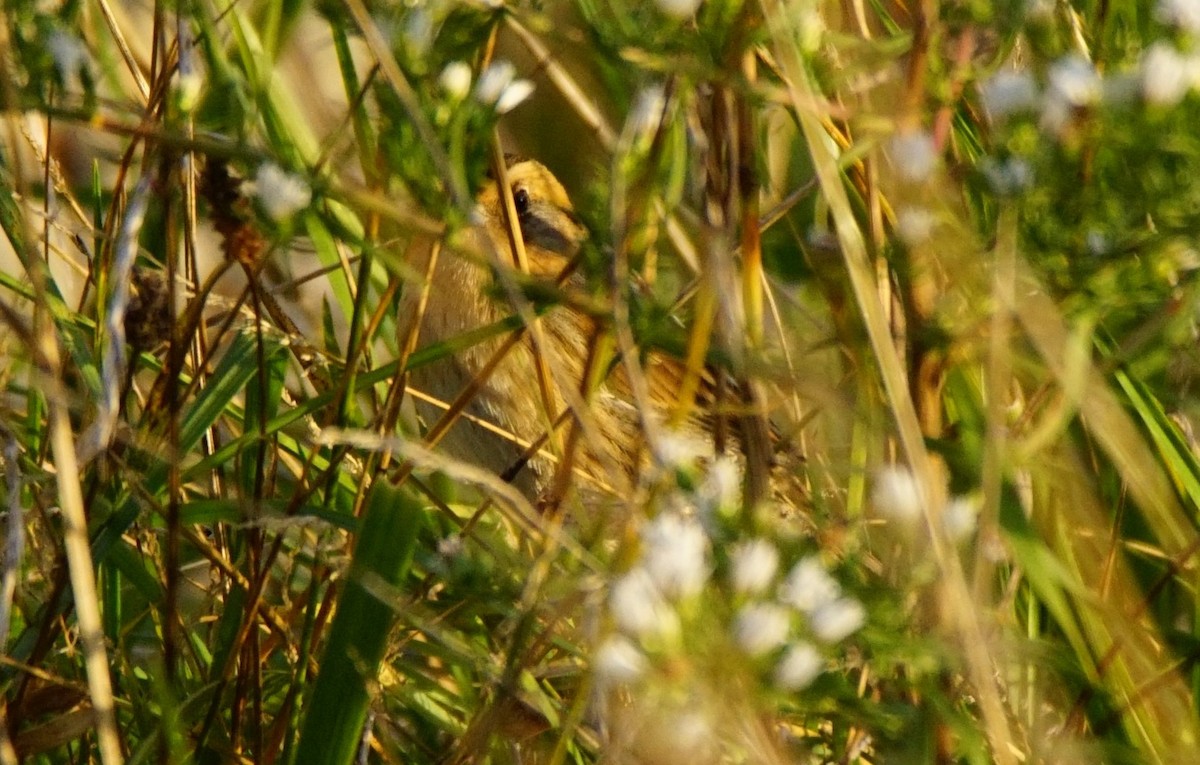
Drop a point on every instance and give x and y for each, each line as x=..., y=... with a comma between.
x=550, y=408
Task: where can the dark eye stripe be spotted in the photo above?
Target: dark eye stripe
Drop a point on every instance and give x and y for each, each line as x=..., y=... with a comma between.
x=541, y=232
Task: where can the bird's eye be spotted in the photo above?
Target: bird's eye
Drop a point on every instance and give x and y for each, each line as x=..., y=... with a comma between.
x=521, y=201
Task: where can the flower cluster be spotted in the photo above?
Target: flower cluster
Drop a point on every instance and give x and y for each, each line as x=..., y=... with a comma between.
x=673, y=567
x=1072, y=85
x=1066, y=118
x=914, y=156
x=898, y=496
x=1184, y=15
x=497, y=90
x=781, y=620
x=1166, y=73
x=790, y=620
x=707, y=617
x=683, y=597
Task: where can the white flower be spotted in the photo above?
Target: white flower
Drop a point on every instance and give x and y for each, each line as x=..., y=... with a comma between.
x=1009, y=176
x=675, y=554
x=1184, y=257
x=498, y=89
x=281, y=194
x=754, y=564
x=1073, y=84
x=512, y=97
x=722, y=487
x=1019, y=173
x=960, y=518
x=914, y=155
x=809, y=586
x=451, y=546
x=1009, y=93
x=800, y=665
x=185, y=89
x=418, y=31
x=692, y=731
x=647, y=113
x=493, y=80
x=680, y=9
x=761, y=627
x=897, y=495
x=638, y=608
x=1166, y=76
x=455, y=79
x=675, y=449
x=69, y=54
x=810, y=27
x=1074, y=80
x=1184, y=14
x=837, y=619
x=1097, y=243
x=618, y=660
x=1040, y=10
x=914, y=225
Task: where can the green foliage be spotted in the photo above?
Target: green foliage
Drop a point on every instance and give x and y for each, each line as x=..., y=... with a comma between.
x=51, y=56
x=358, y=636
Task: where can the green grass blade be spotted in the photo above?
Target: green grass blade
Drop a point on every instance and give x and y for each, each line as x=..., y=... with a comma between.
x=332, y=728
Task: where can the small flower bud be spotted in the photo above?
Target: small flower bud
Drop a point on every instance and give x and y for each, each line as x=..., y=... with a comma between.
x=455, y=80
x=809, y=586
x=837, y=620
x=680, y=9
x=761, y=628
x=512, y=96
x=800, y=665
x=492, y=82
x=281, y=194
x=639, y=609
x=618, y=660
x=914, y=155
x=754, y=566
x=675, y=555
x=897, y=495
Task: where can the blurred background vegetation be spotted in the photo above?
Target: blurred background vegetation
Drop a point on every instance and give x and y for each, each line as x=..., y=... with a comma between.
x=953, y=241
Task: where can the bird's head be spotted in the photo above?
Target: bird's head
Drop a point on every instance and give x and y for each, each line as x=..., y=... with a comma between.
x=549, y=227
